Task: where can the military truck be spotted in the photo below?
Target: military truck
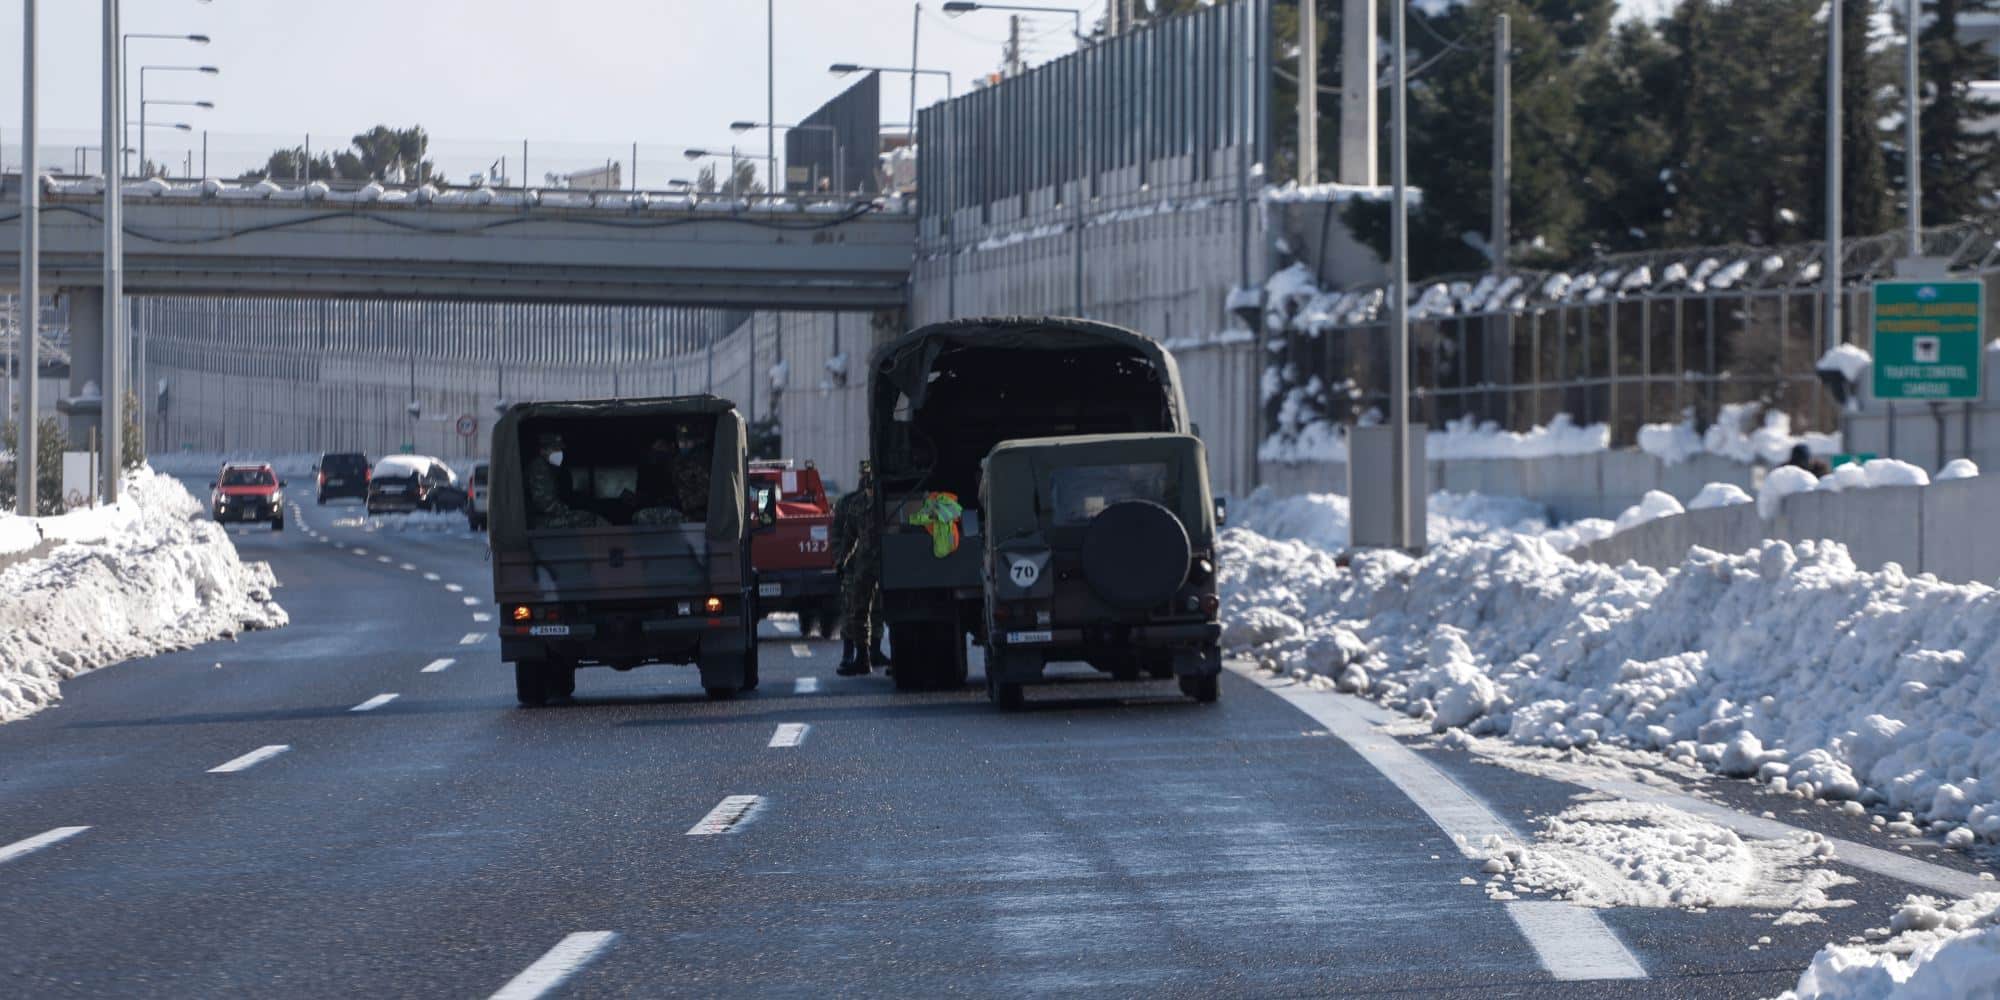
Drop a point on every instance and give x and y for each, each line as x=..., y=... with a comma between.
x=616, y=551
x=940, y=398
x=1100, y=548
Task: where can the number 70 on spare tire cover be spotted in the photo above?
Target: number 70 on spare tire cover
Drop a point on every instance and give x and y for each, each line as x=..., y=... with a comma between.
x=1024, y=573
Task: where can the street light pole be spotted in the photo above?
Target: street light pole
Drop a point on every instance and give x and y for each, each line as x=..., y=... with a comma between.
x=1399, y=292
x=770, y=108
x=27, y=429
x=210, y=70
x=950, y=179
x=1913, y=172
x=1833, y=199
x=112, y=428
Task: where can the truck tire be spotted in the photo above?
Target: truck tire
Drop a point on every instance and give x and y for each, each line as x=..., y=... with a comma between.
x=1204, y=688
x=559, y=680
x=1135, y=554
x=1007, y=697
x=531, y=682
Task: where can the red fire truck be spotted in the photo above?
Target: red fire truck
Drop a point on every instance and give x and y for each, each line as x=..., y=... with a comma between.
x=794, y=562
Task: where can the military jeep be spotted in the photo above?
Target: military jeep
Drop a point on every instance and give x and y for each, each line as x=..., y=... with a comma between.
x=619, y=567
x=1100, y=548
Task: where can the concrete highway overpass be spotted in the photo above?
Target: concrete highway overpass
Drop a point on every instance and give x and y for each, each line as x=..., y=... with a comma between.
x=606, y=247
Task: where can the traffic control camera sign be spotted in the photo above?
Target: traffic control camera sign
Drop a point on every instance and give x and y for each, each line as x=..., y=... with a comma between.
x=1928, y=335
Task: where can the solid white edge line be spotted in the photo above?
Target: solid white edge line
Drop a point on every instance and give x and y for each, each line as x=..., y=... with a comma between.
x=250, y=759
x=472, y=638
x=38, y=841
x=727, y=816
x=436, y=665
x=559, y=963
x=1467, y=820
x=805, y=685
x=374, y=703
x=790, y=734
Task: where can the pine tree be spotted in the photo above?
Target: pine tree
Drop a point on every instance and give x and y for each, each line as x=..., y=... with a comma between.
x=1961, y=162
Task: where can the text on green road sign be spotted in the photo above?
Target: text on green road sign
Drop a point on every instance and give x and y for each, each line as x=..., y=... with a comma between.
x=1928, y=336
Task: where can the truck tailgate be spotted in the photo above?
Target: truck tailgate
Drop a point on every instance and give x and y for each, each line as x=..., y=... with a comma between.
x=615, y=564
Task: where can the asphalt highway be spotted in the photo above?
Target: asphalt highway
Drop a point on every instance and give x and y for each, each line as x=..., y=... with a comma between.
x=354, y=805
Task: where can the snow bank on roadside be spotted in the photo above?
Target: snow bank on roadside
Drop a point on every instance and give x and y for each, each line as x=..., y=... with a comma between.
x=1323, y=519
x=1464, y=438
x=1939, y=951
x=445, y=521
x=145, y=576
x=1785, y=663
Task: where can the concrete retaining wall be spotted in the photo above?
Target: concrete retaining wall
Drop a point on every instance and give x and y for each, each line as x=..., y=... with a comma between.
x=1946, y=529
x=1601, y=484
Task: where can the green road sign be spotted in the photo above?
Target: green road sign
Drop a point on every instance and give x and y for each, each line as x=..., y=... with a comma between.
x=1927, y=339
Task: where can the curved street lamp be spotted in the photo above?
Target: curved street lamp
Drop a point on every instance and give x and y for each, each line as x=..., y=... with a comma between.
x=143, y=70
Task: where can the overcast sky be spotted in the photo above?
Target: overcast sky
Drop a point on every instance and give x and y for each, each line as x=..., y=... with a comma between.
x=581, y=79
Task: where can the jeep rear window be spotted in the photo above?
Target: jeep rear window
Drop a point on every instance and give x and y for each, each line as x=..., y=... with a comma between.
x=1080, y=492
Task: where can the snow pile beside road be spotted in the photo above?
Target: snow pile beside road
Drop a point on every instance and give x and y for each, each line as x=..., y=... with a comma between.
x=1312, y=440
x=1716, y=495
x=147, y=575
x=445, y=521
x=1939, y=952
x=1322, y=518
x=1785, y=663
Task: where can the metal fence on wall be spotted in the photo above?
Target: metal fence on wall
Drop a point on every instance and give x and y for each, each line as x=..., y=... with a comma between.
x=1629, y=340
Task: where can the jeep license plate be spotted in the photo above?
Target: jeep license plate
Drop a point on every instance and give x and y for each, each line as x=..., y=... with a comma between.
x=770, y=590
x=548, y=630
x=1028, y=638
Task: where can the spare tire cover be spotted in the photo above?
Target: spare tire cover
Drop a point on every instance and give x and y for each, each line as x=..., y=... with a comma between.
x=1135, y=554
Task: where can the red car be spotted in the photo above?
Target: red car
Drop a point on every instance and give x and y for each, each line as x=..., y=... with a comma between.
x=248, y=492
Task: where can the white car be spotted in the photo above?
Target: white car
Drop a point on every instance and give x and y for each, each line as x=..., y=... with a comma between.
x=475, y=497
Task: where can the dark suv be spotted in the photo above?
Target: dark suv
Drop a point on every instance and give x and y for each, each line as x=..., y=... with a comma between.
x=342, y=474
x=412, y=483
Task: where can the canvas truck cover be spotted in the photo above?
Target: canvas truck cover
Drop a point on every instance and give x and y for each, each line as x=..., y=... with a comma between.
x=507, y=515
x=903, y=365
x=1018, y=474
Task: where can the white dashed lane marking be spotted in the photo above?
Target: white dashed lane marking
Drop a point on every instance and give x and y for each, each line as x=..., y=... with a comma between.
x=472, y=638
x=727, y=817
x=470, y=601
x=806, y=685
x=789, y=734
x=382, y=559
x=564, y=960
x=407, y=568
x=801, y=650
x=432, y=577
x=38, y=841
x=359, y=551
x=374, y=703
x=251, y=759
x=481, y=616
x=437, y=665
x=454, y=588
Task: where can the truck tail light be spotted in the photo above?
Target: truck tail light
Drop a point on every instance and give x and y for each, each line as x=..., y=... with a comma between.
x=713, y=605
x=521, y=613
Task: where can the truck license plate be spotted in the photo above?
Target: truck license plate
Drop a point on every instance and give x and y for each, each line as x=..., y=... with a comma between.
x=548, y=630
x=1026, y=638
x=770, y=590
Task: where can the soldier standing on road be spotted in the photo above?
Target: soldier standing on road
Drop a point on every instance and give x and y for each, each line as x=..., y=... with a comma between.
x=856, y=550
x=546, y=508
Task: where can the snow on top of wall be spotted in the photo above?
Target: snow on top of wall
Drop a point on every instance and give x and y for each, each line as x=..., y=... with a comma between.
x=1651, y=507
x=1291, y=193
x=1464, y=438
x=1716, y=495
x=1782, y=482
x=1958, y=468
x=1848, y=360
x=1771, y=442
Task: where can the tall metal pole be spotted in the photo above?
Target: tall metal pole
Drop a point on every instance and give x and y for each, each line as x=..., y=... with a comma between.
x=1913, y=169
x=916, y=22
x=1308, y=93
x=1503, y=140
x=1399, y=292
x=112, y=385
x=1358, y=131
x=30, y=301
x=773, y=184
x=1081, y=191
x=1833, y=199
x=142, y=119
x=950, y=204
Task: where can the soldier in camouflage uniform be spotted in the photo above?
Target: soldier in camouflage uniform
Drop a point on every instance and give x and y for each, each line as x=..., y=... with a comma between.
x=658, y=497
x=546, y=508
x=856, y=550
